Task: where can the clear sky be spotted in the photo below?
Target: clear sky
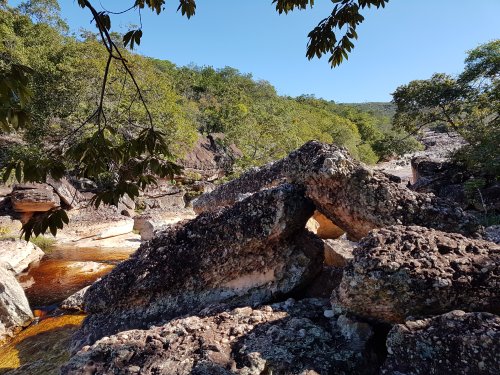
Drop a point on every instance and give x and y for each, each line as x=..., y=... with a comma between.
x=409, y=39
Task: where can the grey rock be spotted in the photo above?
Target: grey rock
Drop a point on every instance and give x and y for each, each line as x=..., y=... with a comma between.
x=15, y=311
x=75, y=302
x=453, y=343
x=400, y=271
x=248, y=254
x=68, y=194
x=293, y=337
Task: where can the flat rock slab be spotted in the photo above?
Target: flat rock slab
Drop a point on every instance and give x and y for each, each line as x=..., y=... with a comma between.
x=293, y=337
x=400, y=271
x=453, y=343
x=249, y=254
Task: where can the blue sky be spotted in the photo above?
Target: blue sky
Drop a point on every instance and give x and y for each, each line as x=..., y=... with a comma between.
x=409, y=39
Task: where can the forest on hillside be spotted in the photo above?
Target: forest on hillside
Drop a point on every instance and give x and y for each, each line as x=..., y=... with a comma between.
x=67, y=70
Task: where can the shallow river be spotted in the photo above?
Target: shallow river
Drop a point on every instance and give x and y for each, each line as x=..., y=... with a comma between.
x=42, y=347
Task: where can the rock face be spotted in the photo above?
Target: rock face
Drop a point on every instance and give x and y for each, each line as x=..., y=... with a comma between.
x=339, y=252
x=34, y=198
x=285, y=338
x=323, y=227
x=18, y=254
x=456, y=342
x=412, y=271
x=75, y=302
x=15, y=310
x=153, y=220
x=89, y=223
x=255, y=251
x=165, y=196
x=352, y=196
x=70, y=197
x=210, y=159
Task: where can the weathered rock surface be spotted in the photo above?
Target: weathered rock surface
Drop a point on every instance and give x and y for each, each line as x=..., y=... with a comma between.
x=210, y=159
x=9, y=227
x=153, y=220
x=248, y=254
x=19, y=254
x=34, y=198
x=453, y=343
x=399, y=272
x=70, y=197
x=75, y=302
x=352, y=196
x=165, y=196
x=339, y=252
x=285, y=338
x=323, y=227
x=15, y=311
x=492, y=233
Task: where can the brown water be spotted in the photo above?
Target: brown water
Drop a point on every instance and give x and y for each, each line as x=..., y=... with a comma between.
x=43, y=347
x=64, y=270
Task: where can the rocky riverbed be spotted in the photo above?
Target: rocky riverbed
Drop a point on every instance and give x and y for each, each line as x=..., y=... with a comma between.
x=314, y=264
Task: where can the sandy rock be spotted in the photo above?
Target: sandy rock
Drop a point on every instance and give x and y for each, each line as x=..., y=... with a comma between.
x=34, y=198
x=453, y=343
x=75, y=302
x=352, y=196
x=339, y=252
x=19, y=254
x=166, y=197
x=286, y=338
x=323, y=227
x=153, y=220
x=399, y=272
x=70, y=197
x=89, y=223
x=252, y=252
x=9, y=227
x=15, y=311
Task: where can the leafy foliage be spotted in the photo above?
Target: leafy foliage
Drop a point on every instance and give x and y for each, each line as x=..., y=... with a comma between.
x=99, y=111
x=468, y=104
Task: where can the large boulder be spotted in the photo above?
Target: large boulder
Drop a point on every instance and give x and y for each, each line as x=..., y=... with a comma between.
x=34, y=198
x=248, y=254
x=69, y=195
x=19, y=254
x=453, y=343
x=351, y=195
x=164, y=196
x=285, y=338
x=15, y=311
x=399, y=272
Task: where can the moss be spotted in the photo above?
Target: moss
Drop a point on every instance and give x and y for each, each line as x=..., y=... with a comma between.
x=44, y=243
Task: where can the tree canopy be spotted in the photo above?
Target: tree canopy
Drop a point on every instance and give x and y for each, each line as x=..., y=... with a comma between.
x=468, y=104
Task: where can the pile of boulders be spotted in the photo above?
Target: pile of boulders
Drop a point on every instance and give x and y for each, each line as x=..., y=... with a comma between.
x=240, y=289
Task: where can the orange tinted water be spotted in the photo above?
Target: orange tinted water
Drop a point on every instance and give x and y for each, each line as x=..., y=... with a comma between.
x=66, y=270
x=41, y=348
